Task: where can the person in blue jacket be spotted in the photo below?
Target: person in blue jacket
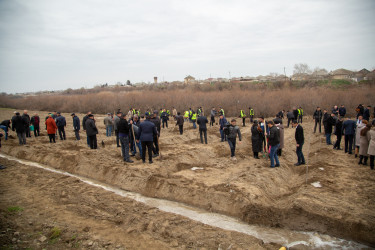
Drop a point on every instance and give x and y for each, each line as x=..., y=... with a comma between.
x=348, y=129
x=76, y=126
x=146, y=133
x=223, y=123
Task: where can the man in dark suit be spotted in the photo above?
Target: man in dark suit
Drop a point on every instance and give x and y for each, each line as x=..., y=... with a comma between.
x=300, y=140
x=146, y=133
x=348, y=129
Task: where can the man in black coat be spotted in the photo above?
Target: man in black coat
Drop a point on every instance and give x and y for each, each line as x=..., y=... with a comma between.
x=300, y=140
x=338, y=133
x=91, y=131
x=84, y=126
x=342, y=111
x=328, y=122
x=366, y=113
x=147, y=133
x=180, y=122
x=26, y=117
x=76, y=126
x=123, y=133
x=202, y=121
x=19, y=124
x=318, y=119
x=156, y=121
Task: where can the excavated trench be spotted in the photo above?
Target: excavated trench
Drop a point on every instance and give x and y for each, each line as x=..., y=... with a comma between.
x=251, y=215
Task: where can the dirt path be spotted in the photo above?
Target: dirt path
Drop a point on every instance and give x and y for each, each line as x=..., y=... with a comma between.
x=247, y=189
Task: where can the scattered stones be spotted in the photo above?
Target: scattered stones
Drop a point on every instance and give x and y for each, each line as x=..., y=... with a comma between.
x=174, y=243
x=89, y=243
x=16, y=234
x=43, y=238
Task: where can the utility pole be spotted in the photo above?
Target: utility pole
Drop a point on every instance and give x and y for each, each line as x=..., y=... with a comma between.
x=285, y=74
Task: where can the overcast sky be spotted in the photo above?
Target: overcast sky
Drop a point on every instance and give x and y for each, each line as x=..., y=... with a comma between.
x=53, y=45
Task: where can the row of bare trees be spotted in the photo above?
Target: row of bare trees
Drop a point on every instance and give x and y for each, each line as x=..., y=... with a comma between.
x=264, y=101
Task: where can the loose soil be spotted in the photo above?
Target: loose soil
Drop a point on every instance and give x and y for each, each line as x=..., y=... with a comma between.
x=247, y=188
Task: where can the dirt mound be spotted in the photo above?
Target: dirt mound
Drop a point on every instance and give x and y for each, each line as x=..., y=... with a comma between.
x=204, y=176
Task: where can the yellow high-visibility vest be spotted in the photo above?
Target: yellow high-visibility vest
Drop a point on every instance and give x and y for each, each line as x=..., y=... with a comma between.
x=186, y=114
x=194, y=117
x=242, y=114
x=251, y=111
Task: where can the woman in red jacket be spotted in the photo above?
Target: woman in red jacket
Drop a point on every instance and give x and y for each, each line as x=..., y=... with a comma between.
x=51, y=128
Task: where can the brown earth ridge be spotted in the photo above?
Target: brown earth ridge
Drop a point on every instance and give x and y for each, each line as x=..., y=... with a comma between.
x=247, y=189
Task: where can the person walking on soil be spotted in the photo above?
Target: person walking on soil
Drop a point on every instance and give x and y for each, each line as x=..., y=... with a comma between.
x=85, y=118
x=295, y=113
x=5, y=125
x=363, y=148
x=290, y=117
x=223, y=123
x=300, y=140
x=61, y=124
x=180, y=122
x=251, y=114
x=35, y=121
x=51, y=129
x=366, y=113
x=156, y=121
x=213, y=114
x=342, y=111
x=147, y=133
x=358, y=136
x=108, y=125
x=202, y=122
x=174, y=113
x=243, y=116
x=92, y=131
x=165, y=118
x=318, y=119
x=194, y=119
x=233, y=131
x=116, y=120
x=328, y=122
x=256, y=139
x=123, y=133
x=338, y=133
x=26, y=117
x=280, y=126
x=133, y=132
x=274, y=142
x=300, y=115
x=348, y=130
x=371, y=147
x=19, y=124
x=76, y=126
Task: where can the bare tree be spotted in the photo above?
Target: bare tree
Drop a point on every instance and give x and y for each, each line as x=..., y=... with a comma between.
x=301, y=68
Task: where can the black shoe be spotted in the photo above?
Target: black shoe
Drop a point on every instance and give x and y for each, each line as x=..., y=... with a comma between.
x=150, y=162
x=132, y=155
x=129, y=161
x=303, y=163
x=155, y=155
x=143, y=162
x=2, y=167
x=351, y=153
x=118, y=146
x=277, y=165
x=256, y=157
x=297, y=164
x=360, y=163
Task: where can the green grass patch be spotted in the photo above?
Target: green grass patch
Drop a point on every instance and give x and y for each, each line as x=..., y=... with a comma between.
x=14, y=209
x=340, y=82
x=55, y=233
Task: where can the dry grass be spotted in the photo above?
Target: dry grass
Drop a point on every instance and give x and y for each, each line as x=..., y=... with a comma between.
x=265, y=101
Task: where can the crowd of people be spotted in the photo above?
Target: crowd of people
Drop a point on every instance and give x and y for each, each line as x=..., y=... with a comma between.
x=267, y=137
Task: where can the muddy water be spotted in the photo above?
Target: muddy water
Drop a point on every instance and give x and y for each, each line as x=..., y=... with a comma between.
x=284, y=237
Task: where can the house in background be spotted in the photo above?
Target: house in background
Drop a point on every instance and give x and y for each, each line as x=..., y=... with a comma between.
x=300, y=77
x=341, y=74
x=189, y=79
x=360, y=75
